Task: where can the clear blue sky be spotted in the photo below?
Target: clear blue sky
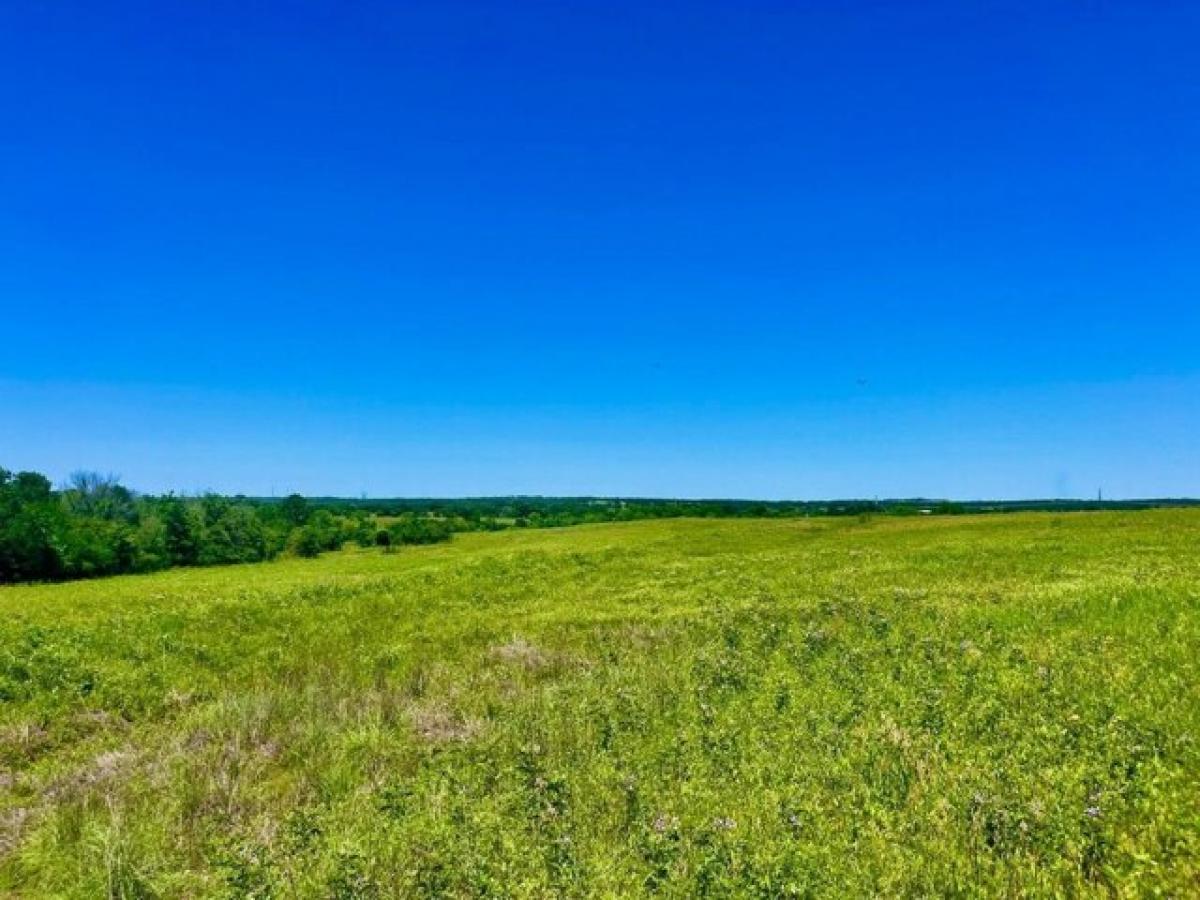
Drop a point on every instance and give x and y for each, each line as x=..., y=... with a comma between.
x=756, y=249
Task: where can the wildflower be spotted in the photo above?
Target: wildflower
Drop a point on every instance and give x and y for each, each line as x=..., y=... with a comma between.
x=1092, y=812
x=724, y=823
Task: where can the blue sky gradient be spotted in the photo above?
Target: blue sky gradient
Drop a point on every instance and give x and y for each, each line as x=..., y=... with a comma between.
x=787, y=250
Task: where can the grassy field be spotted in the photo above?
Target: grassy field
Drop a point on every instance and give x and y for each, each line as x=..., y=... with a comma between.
x=945, y=706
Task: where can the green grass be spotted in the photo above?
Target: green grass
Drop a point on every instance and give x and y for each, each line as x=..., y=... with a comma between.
x=962, y=706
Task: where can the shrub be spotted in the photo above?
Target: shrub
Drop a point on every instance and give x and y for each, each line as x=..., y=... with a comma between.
x=306, y=542
x=419, y=530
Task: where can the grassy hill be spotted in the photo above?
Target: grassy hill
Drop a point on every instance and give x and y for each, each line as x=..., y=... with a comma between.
x=691, y=707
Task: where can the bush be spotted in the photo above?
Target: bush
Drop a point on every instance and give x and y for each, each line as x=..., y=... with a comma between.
x=415, y=530
x=306, y=542
x=237, y=535
x=150, y=545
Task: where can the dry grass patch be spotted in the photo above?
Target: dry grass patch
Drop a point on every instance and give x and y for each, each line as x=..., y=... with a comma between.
x=520, y=652
x=440, y=725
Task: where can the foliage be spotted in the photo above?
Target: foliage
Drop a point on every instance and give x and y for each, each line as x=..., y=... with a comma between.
x=294, y=509
x=95, y=526
x=908, y=706
x=412, y=529
x=307, y=542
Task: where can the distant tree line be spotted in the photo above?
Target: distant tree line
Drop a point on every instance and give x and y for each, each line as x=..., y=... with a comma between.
x=93, y=525
x=549, y=512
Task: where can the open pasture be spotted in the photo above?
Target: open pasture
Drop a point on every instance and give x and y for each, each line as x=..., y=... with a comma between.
x=938, y=706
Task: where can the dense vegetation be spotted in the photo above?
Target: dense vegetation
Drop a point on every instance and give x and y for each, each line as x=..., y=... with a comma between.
x=95, y=526
x=964, y=706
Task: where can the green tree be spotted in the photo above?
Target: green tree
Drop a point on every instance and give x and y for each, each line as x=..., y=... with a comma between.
x=294, y=509
x=150, y=545
x=306, y=542
x=235, y=535
x=182, y=532
x=30, y=523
